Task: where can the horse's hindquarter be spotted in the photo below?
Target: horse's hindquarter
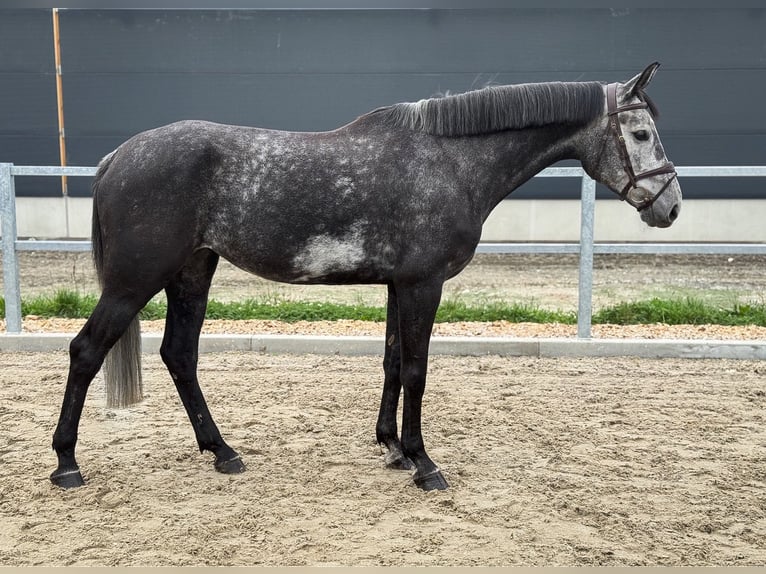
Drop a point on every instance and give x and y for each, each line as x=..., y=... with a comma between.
x=347, y=206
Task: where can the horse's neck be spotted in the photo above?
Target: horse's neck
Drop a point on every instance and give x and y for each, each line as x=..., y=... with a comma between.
x=509, y=159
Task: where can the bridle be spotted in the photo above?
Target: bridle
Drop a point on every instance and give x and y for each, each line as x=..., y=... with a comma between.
x=633, y=178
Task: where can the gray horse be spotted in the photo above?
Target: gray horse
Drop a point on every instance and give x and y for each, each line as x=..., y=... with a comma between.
x=397, y=197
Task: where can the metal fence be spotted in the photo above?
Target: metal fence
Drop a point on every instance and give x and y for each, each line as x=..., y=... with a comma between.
x=11, y=245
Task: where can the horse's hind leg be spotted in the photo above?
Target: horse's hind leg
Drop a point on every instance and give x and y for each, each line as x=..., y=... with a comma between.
x=187, y=300
x=110, y=319
x=386, y=429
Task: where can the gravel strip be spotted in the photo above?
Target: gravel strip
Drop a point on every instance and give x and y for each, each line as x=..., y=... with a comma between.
x=33, y=324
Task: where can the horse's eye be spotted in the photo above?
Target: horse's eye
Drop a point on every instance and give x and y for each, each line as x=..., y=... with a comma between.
x=641, y=135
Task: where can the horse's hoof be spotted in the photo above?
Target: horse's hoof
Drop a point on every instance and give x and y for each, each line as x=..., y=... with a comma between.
x=67, y=478
x=231, y=466
x=431, y=481
x=398, y=461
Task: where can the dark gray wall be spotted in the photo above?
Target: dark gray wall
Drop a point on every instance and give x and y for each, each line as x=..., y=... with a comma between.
x=130, y=70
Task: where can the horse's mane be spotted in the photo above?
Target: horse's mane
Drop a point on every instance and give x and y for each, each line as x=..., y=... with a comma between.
x=498, y=108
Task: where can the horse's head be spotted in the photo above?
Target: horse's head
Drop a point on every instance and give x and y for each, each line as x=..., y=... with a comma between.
x=628, y=156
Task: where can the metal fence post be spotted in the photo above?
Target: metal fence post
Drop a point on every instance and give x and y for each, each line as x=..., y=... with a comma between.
x=11, y=289
x=585, y=284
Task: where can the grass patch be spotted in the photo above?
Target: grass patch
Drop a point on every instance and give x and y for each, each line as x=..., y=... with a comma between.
x=686, y=311
x=67, y=304
x=453, y=311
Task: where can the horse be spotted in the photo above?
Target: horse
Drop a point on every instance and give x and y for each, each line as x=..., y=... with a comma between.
x=397, y=197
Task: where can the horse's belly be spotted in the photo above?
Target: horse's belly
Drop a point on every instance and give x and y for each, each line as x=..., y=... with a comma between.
x=277, y=271
x=322, y=259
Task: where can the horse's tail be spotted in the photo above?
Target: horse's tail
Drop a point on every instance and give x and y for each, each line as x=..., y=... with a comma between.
x=122, y=367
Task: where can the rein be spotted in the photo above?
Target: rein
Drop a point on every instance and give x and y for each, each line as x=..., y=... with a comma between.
x=633, y=178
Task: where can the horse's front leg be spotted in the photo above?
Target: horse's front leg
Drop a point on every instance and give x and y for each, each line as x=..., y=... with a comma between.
x=417, y=309
x=386, y=429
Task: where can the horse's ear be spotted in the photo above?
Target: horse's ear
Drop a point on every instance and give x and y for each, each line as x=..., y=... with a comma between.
x=636, y=85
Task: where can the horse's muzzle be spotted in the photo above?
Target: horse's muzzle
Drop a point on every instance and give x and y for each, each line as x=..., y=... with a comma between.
x=660, y=216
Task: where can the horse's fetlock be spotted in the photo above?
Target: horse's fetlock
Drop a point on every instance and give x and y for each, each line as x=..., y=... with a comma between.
x=384, y=435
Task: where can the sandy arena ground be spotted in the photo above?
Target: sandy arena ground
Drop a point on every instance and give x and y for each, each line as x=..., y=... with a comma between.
x=617, y=461
x=551, y=462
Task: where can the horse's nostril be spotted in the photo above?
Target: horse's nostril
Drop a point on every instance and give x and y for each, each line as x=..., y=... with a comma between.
x=674, y=213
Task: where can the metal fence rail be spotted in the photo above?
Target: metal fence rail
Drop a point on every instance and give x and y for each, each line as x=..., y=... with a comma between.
x=586, y=248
